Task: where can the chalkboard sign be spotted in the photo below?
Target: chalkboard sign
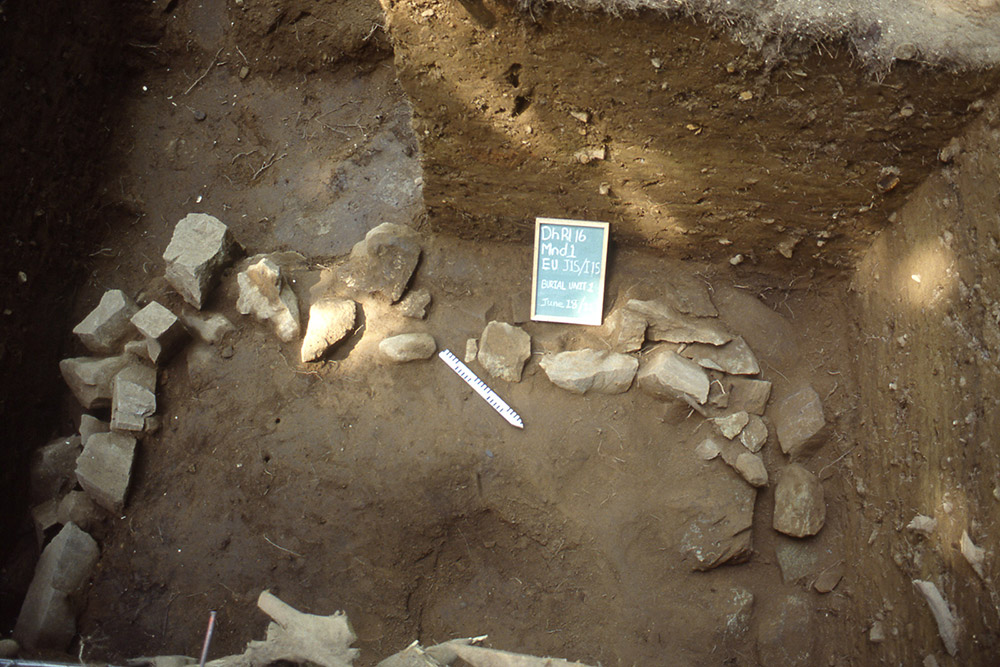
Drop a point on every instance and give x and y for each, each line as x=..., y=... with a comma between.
x=567, y=275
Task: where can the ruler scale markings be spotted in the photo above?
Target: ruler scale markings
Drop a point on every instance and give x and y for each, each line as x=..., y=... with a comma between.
x=481, y=388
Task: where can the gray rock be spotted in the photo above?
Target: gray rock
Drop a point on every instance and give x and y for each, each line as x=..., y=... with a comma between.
x=720, y=532
x=599, y=371
x=106, y=328
x=924, y=525
x=796, y=559
x=828, y=579
x=734, y=358
x=89, y=378
x=48, y=617
x=876, y=635
x=45, y=517
x=210, y=328
x=799, y=505
x=799, y=423
x=89, y=425
x=52, y=468
x=751, y=468
x=133, y=398
x=731, y=424
x=78, y=508
x=414, y=304
x=748, y=395
x=408, y=347
x=199, y=249
x=754, y=434
x=9, y=648
x=785, y=633
x=384, y=261
x=666, y=374
x=104, y=469
x=737, y=618
x=708, y=449
x=503, y=349
x=163, y=331
x=139, y=350
x=667, y=324
x=265, y=295
x=471, y=350
x=330, y=320
x=626, y=330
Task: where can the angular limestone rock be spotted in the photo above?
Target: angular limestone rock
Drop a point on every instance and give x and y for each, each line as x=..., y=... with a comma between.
x=210, y=328
x=52, y=468
x=133, y=398
x=975, y=556
x=503, y=349
x=924, y=525
x=414, y=304
x=666, y=374
x=48, y=615
x=626, y=330
x=946, y=621
x=199, y=249
x=754, y=434
x=298, y=638
x=796, y=559
x=89, y=425
x=45, y=517
x=471, y=350
x=599, y=371
x=408, y=347
x=799, y=504
x=747, y=394
x=163, y=331
x=734, y=358
x=731, y=425
x=265, y=295
x=828, y=579
x=384, y=261
x=106, y=328
x=104, y=469
x=89, y=378
x=751, y=468
x=78, y=508
x=708, y=449
x=799, y=422
x=330, y=320
x=721, y=528
x=667, y=324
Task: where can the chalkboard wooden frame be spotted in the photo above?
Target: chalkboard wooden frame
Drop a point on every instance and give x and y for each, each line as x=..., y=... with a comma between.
x=594, y=305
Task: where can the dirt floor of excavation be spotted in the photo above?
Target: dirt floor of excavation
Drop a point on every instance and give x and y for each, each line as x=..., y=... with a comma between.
x=392, y=492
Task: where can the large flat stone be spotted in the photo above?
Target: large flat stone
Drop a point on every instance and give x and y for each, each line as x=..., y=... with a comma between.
x=799, y=422
x=734, y=358
x=720, y=528
x=199, y=249
x=330, y=320
x=667, y=324
x=384, y=261
x=747, y=394
x=104, y=469
x=666, y=374
x=503, y=349
x=106, y=328
x=89, y=378
x=599, y=371
x=799, y=504
x=625, y=330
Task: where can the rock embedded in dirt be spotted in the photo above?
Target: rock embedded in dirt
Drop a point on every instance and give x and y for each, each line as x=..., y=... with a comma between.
x=754, y=434
x=947, y=623
x=104, y=469
x=210, y=328
x=599, y=371
x=731, y=425
x=89, y=425
x=799, y=422
x=503, y=350
x=737, y=618
x=665, y=323
x=133, y=398
x=975, y=556
x=734, y=358
x=721, y=530
x=265, y=295
x=796, y=559
x=89, y=378
x=748, y=394
x=164, y=332
x=330, y=320
x=799, y=504
x=666, y=374
x=383, y=262
x=408, y=347
x=201, y=246
x=924, y=525
x=52, y=468
x=414, y=304
x=751, y=468
x=785, y=633
x=876, y=634
x=471, y=350
x=107, y=327
x=48, y=614
x=626, y=330
x=828, y=579
x=708, y=449
x=77, y=507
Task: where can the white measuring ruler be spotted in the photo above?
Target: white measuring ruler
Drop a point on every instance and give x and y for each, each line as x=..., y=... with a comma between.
x=481, y=388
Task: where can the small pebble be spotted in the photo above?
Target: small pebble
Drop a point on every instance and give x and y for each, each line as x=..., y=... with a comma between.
x=227, y=352
x=200, y=115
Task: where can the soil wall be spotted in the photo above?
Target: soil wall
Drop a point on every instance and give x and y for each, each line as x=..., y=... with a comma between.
x=929, y=359
x=666, y=128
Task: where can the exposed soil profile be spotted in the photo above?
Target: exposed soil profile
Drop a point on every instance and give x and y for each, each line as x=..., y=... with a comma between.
x=603, y=532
